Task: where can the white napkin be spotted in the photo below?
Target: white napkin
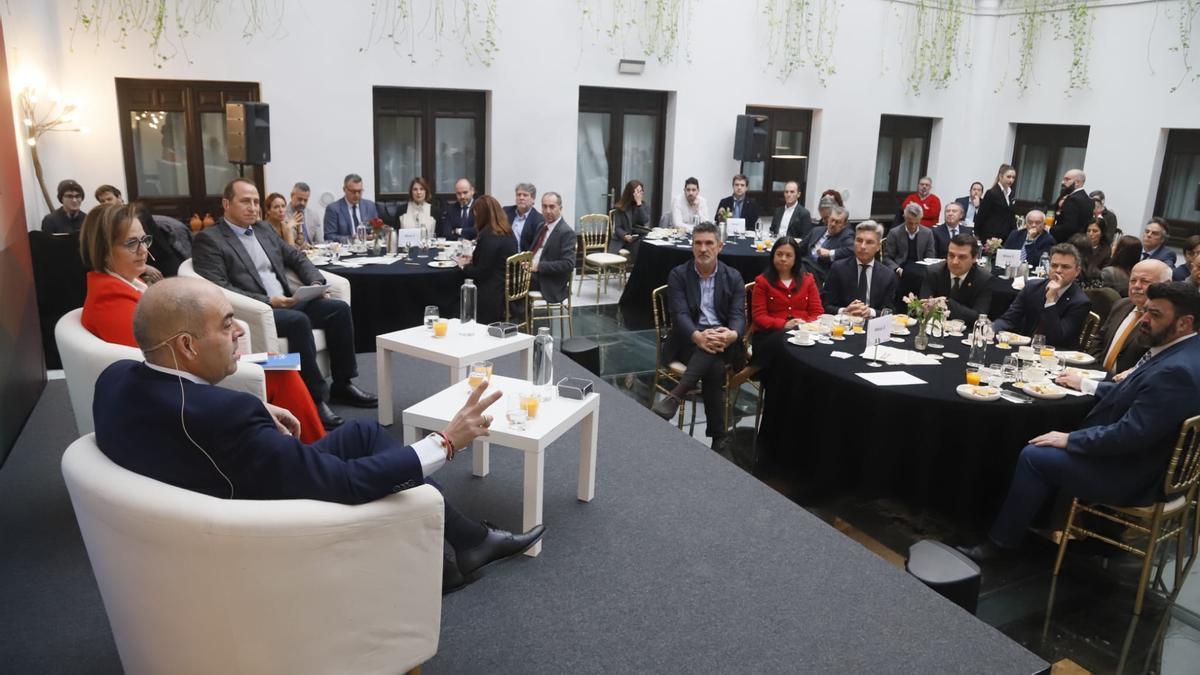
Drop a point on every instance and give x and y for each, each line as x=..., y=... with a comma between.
x=840, y=355
x=898, y=357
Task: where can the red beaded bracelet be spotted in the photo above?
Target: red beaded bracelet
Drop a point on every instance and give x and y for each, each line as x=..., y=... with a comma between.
x=446, y=440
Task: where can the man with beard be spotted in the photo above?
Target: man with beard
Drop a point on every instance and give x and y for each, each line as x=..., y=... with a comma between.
x=1075, y=211
x=1119, y=454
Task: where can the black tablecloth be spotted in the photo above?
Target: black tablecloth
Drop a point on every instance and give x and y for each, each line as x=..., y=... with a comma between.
x=384, y=298
x=654, y=263
x=837, y=432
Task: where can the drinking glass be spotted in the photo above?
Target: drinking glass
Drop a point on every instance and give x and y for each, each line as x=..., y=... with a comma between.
x=994, y=375
x=530, y=402
x=431, y=315
x=1011, y=368
x=935, y=336
x=440, y=327
x=974, y=375
x=335, y=251
x=516, y=413
x=480, y=371
x=1038, y=344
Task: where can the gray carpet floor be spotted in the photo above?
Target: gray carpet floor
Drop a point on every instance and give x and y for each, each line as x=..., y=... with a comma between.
x=681, y=562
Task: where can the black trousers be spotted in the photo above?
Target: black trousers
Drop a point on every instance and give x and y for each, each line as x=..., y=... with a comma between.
x=332, y=316
x=709, y=371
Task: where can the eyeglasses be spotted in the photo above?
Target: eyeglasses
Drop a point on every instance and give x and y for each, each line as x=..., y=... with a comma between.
x=72, y=195
x=132, y=244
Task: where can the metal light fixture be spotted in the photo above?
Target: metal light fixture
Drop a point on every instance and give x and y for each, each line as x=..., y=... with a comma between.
x=39, y=117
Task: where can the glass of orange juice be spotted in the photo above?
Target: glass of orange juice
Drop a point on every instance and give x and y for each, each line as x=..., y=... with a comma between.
x=480, y=371
x=530, y=401
x=440, y=326
x=837, y=330
x=973, y=376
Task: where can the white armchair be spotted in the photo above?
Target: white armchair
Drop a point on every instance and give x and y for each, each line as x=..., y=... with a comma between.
x=85, y=356
x=258, y=315
x=197, y=584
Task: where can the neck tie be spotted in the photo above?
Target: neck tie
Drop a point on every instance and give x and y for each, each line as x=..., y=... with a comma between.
x=1142, y=361
x=819, y=245
x=1115, y=350
x=354, y=215
x=1025, y=252
x=737, y=208
x=955, y=287
x=540, y=240
x=1145, y=255
x=861, y=293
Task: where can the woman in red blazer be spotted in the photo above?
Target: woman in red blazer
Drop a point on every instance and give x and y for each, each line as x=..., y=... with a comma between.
x=113, y=246
x=784, y=295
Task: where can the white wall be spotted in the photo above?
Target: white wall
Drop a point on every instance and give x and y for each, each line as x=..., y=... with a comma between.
x=319, y=89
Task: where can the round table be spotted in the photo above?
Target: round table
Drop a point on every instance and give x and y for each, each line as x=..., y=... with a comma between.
x=838, y=433
x=384, y=298
x=654, y=263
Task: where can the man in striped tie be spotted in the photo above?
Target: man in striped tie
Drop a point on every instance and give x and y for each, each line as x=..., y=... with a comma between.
x=1119, y=345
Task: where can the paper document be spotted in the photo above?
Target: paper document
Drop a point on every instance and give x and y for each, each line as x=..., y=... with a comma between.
x=898, y=357
x=890, y=379
x=309, y=292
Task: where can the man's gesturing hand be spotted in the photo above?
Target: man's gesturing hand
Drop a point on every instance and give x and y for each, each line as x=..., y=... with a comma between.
x=469, y=422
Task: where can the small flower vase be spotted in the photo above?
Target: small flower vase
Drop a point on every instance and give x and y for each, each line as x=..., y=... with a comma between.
x=921, y=341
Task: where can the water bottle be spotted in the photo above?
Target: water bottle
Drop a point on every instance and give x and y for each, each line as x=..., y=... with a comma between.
x=1044, y=263
x=467, y=297
x=543, y=362
x=981, y=335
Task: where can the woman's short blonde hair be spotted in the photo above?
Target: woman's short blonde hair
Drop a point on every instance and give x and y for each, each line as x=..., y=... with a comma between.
x=102, y=228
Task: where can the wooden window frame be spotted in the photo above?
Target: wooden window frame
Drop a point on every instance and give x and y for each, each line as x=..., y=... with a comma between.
x=778, y=119
x=885, y=204
x=1055, y=137
x=1179, y=142
x=618, y=103
x=429, y=105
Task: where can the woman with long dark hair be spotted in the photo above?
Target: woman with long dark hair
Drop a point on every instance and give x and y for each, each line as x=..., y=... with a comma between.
x=631, y=218
x=420, y=212
x=486, y=265
x=1101, y=246
x=288, y=229
x=1127, y=251
x=995, y=217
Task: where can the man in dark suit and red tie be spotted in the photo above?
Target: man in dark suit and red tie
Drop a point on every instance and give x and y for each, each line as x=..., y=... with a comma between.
x=1055, y=307
x=1119, y=454
x=959, y=280
x=860, y=285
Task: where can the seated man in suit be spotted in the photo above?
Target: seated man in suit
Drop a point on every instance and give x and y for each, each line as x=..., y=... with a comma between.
x=459, y=222
x=524, y=219
x=860, y=285
x=1191, y=252
x=739, y=206
x=906, y=245
x=244, y=255
x=1055, y=307
x=233, y=445
x=553, y=253
x=970, y=203
x=343, y=217
x=1119, y=454
x=952, y=226
x=707, y=302
x=1154, y=241
x=1033, y=241
x=826, y=244
x=959, y=280
x=791, y=218
x=1119, y=344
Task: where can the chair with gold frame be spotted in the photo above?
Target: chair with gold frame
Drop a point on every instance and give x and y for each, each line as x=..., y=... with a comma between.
x=1159, y=522
x=540, y=310
x=1087, y=335
x=732, y=392
x=516, y=286
x=668, y=372
x=594, y=231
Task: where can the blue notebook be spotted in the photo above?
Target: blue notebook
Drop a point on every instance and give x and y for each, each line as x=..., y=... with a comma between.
x=275, y=361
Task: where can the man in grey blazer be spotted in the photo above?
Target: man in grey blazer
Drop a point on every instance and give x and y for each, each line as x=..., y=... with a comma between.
x=553, y=252
x=910, y=243
x=347, y=213
x=242, y=254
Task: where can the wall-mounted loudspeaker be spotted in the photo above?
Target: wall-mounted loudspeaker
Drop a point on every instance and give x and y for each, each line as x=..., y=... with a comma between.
x=750, y=140
x=248, y=132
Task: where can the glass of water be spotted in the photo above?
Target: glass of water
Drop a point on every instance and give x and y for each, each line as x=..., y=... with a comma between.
x=516, y=413
x=431, y=315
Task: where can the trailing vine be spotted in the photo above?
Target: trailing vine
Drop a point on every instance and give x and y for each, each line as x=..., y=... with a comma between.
x=1187, y=16
x=932, y=43
x=656, y=28
x=1076, y=25
x=802, y=34
x=1071, y=20
x=472, y=23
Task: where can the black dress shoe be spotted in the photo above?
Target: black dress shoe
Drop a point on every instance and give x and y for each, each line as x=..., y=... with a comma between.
x=496, y=546
x=350, y=394
x=987, y=551
x=452, y=579
x=329, y=419
x=667, y=407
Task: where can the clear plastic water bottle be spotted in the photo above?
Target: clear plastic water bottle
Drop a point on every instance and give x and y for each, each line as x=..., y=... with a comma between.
x=543, y=362
x=1044, y=263
x=981, y=335
x=468, y=295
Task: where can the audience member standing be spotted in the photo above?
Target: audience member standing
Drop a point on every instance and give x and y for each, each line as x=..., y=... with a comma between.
x=995, y=218
x=1076, y=211
x=931, y=206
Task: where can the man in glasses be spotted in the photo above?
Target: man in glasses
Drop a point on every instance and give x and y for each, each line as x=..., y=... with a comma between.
x=67, y=218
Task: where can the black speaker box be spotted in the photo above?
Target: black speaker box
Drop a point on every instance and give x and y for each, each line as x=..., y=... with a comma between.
x=248, y=132
x=750, y=140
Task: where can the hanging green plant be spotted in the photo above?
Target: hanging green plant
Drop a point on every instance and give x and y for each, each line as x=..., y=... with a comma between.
x=1188, y=9
x=1074, y=23
x=802, y=34
x=932, y=42
x=470, y=23
x=658, y=28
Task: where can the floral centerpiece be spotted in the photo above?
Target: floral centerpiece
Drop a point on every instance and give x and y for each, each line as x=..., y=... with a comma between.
x=723, y=214
x=926, y=311
x=379, y=234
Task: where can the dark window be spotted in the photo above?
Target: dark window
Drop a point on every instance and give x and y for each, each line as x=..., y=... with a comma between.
x=434, y=133
x=789, y=131
x=173, y=140
x=1042, y=154
x=1179, y=186
x=901, y=158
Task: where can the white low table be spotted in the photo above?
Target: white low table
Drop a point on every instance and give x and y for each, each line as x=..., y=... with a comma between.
x=554, y=418
x=454, y=350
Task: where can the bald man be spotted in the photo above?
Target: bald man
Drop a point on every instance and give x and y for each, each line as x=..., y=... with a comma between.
x=164, y=419
x=1119, y=344
x=1076, y=210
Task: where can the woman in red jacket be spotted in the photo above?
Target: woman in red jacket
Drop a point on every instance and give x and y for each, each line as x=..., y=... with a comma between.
x=784, y=295
x=114, y=246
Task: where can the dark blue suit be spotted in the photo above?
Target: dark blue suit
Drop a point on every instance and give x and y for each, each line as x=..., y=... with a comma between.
x=942, y=237
x=840, y=246
x=1033, y=251
x=533, y=223
x=1164, y=254
x=842, y=284
x=1060, y=323
x=137, y=413
x=1120, y=453
x=456, y=220
x=749, y=210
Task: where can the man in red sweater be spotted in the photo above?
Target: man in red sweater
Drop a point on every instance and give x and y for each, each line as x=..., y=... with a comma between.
x=929, y=202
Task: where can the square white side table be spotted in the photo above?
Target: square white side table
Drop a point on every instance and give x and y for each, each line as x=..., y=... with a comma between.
x=454, y=350
x=554, y=417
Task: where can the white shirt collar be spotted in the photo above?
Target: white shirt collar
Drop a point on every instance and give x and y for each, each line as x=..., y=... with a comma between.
x=1155, y=351
x=178, y=373
x=137, y=284
x=869, y=264
x=550, y=226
